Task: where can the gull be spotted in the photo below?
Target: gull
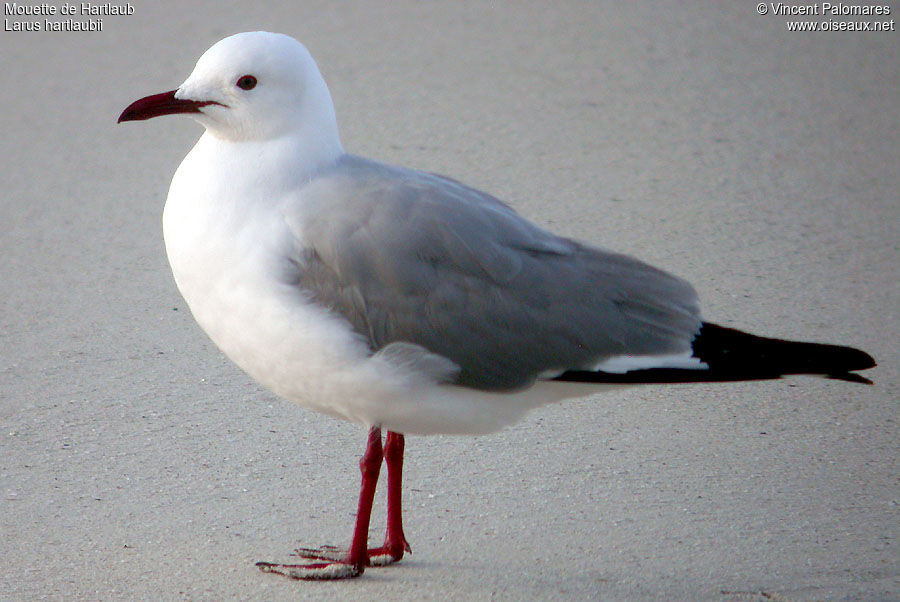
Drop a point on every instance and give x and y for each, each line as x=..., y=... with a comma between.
x=404, y=300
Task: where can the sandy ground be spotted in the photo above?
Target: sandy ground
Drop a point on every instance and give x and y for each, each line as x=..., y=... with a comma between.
x=762, y=165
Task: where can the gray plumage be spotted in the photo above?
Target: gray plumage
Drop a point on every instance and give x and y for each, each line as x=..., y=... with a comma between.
x=413, y=257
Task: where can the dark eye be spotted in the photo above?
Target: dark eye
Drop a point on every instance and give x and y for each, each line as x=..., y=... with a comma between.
x=246, y=82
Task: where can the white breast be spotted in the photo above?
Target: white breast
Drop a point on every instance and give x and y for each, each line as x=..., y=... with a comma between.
x=225, y=255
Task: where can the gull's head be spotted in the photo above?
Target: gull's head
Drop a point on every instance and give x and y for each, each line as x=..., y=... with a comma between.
x=250, y=86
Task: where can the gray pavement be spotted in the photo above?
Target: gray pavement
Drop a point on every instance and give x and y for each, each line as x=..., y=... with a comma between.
x=137, y=463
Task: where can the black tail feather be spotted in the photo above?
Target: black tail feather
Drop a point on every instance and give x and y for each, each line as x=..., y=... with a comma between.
x=732, y=351
x=733, y=355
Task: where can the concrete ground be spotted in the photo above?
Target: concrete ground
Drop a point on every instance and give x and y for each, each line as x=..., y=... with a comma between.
x=758, y=163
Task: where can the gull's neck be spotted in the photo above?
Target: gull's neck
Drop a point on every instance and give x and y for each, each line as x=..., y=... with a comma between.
x=275, y=162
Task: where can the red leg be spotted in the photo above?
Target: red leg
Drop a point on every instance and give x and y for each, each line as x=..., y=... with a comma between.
x=394, y=541
x=370, y=467
x=355, y=561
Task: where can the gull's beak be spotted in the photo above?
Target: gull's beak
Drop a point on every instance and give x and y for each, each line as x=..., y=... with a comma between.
x=161, y=104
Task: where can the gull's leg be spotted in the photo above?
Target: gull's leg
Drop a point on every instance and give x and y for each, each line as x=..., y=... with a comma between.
x=353, y=563
x=394, y=541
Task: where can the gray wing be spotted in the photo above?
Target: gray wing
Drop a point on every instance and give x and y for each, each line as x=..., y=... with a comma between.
x=412, y=257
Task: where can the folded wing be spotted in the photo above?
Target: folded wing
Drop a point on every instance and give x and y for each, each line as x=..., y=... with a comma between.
x=411, y=257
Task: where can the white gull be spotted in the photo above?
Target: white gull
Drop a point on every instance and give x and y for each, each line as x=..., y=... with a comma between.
x=406, y=300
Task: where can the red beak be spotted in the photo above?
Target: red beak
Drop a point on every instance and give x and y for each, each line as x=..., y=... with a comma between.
x=161, y=104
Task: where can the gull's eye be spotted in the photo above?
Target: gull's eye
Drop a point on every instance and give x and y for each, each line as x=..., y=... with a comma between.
x=246, y=82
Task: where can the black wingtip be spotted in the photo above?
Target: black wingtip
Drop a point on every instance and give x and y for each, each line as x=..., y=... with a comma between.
x=734, y=350
x=734, y=355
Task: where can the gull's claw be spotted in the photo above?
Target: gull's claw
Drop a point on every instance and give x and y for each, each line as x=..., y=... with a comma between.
x=322, y=571
x=381, y=556
x=332, y=553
